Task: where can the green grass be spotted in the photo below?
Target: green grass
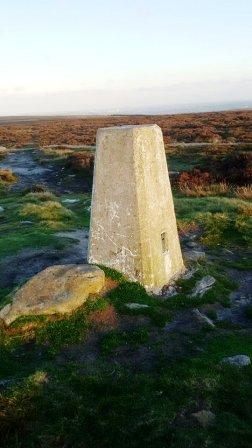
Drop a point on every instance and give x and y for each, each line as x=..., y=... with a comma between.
x=115, y=339
x=94, y=400
x=113, y=273
x=25, y=238
x=50, y=213
x=219, y=292
x=16, y=236
x=113, y=407
x=183, y=163
x=189, y=207
x=133, y=292
x=219, y=217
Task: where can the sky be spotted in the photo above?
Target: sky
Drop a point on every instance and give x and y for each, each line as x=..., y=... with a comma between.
x=108, y=56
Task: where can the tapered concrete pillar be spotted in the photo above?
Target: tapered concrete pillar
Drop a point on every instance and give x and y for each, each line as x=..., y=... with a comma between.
x=133, y=224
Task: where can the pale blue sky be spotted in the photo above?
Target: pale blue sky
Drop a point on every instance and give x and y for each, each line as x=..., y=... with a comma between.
x=81, y=56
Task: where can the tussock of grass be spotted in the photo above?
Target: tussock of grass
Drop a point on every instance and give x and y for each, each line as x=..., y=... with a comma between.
x=205, y=190
x=245, y=209
x=7, y=177
x=40, y=196
x=224, y=220
x=185, y=226
x=244, y=192
x=51, y=213
x=56, y=152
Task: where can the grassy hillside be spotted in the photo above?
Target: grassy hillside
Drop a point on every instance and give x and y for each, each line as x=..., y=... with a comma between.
x=109, y=376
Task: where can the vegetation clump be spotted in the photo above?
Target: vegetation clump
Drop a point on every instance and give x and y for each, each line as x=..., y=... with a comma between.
x=221, y=228
x=244, y=192
x=41, y=196
x=49, y=213
x=7, y=177
x=108, y=375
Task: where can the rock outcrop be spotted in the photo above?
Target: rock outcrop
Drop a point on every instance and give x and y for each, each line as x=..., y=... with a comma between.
x=57, y=289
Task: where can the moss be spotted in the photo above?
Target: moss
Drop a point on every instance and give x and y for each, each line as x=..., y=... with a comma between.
x=112, y=273
x=133, y=292
x=69, y=329
x=115, y=339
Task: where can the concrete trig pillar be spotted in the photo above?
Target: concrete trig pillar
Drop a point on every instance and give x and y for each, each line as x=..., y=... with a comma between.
x=133, y=224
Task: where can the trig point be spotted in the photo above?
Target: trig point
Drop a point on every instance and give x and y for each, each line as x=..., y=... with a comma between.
x=133, y=224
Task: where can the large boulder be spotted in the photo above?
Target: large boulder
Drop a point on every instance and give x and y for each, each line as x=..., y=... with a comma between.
x=57, y=289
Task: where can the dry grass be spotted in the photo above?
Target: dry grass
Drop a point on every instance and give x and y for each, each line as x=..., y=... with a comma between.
x=56, y=152
x=7, y=176
x=41, y=196
x=185, y=227
x=244, y=192
x=245, y=209
x=205, y=190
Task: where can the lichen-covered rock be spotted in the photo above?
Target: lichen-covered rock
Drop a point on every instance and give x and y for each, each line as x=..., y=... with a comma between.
x=57, y=289
x=203, y=286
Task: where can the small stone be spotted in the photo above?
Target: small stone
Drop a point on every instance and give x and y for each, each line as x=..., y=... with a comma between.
x=189, y=274
x=204, y=418
x=170, y=291
x=26, y=223
x=202, y=318
x=202, y=286
x=136, y=306
x=237, y=360
x=1, y=209
x=194, y=255
x=70, y=201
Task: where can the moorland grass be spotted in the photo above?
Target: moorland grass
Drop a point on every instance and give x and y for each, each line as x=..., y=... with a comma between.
x=224, y=221
x=112, y=406
x=51, y=401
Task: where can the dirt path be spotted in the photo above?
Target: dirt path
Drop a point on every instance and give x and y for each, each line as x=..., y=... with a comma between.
x=55, y=177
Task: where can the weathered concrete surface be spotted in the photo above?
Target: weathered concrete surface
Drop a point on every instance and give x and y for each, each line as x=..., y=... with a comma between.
x=133, y=224
x=57, y=289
